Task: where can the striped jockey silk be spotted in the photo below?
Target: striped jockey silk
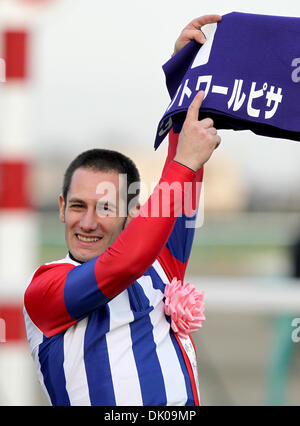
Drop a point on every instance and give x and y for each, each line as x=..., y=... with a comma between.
x=123, y=354
x=98, y=331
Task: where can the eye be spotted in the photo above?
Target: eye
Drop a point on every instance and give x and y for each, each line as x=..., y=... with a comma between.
x=106, y=209
x=76, y=206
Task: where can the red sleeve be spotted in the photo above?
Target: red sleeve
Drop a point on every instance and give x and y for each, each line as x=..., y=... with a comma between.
x=44, y=299
x=175, y=254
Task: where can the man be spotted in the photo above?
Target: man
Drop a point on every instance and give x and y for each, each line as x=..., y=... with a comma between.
x=95, y=320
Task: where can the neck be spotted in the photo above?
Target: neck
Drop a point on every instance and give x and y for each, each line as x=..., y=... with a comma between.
x=73, y=258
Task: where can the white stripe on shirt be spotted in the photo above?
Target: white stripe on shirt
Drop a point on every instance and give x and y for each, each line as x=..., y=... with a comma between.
x=74, y=368
x=119, y=345
x=174, y=383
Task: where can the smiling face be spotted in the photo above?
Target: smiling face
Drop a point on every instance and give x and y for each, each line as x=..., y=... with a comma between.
x=92, y=221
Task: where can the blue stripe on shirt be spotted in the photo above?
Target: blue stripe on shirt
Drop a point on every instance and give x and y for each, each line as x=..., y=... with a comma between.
x=144, y=350
x=190, y=397
x=51, y=357
x=181, y=239
x=81, y=293
x=156, y=280
x=96, y=358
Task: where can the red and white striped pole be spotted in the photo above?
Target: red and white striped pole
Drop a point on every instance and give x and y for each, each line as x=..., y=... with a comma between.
x=18, y=223
x=18, y=233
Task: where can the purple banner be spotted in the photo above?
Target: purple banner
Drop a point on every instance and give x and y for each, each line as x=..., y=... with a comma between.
x=249, y=68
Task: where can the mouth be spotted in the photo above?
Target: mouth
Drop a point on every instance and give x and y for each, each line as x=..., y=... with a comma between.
x=88, y=239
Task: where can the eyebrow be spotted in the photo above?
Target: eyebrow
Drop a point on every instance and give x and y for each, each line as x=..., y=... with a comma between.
x=101, y=202
x=76, y=200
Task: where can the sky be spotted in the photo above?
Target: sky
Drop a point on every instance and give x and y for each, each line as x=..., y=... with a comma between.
x=97, y=79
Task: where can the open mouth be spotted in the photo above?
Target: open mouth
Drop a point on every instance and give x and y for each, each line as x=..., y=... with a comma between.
x=87, y=239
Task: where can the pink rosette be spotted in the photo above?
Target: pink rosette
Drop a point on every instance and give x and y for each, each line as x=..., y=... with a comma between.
x=184, y=304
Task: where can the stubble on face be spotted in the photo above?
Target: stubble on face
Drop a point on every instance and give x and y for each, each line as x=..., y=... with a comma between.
x=88, y=232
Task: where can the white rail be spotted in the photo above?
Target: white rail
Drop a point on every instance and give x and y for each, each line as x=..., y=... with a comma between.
x=244, y=294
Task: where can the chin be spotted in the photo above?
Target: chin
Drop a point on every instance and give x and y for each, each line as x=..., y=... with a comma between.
x=85, y=255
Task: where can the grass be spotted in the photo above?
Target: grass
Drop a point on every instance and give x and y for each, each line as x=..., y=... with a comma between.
x=218, y=250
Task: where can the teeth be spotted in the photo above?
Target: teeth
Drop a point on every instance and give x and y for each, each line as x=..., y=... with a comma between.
x=87, y=239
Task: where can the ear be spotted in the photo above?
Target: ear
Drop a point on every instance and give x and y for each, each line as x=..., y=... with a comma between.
x=131, y=214
x=62, y=207
x=134, y=211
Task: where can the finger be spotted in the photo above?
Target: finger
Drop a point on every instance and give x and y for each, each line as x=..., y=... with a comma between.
x=204, y=20
x=193, y=111
x=218, y=141
x=200, y=37
x=206, y=123
x=212, y=131
x=196, y=24
x=193, y=34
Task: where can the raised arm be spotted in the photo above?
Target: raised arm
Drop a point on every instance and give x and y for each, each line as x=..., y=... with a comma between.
x=175, y=255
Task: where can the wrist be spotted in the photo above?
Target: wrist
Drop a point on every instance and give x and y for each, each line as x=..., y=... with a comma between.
x=178, y=162
x=188, y=164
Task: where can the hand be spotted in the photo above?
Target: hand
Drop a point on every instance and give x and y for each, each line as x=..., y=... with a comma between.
x=197, y=139
x=191, y=31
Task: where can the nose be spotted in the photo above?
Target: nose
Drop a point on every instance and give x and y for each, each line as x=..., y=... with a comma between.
x=88, y=221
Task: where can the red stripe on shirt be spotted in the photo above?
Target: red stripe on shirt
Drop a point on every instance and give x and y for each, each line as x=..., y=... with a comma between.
x=190, y=371
x=44, y=299
x=172, y=266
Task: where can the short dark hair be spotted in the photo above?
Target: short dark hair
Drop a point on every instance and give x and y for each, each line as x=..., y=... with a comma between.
x=104, y=160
